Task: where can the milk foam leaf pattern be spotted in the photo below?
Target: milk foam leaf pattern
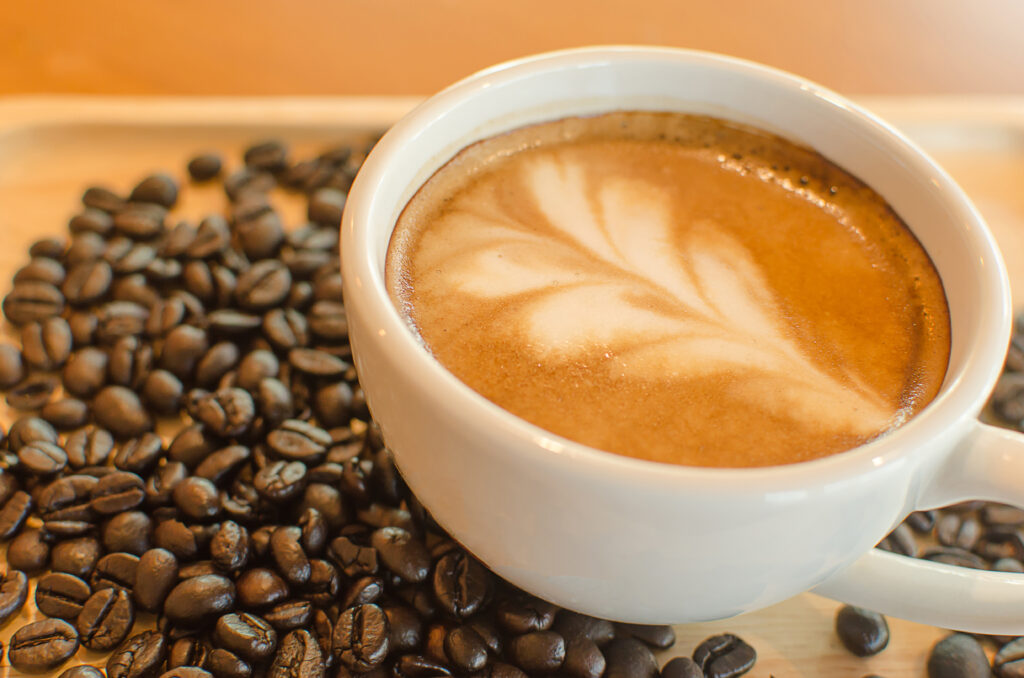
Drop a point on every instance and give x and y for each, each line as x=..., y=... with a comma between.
x=607, y=274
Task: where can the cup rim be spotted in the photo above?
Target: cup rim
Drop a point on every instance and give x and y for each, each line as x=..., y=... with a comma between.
x=958, y=403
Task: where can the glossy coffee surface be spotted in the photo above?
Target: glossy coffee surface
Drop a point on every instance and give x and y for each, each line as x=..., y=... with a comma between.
x=674, y=288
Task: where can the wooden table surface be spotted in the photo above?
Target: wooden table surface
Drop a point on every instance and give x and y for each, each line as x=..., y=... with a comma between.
x=272, y=47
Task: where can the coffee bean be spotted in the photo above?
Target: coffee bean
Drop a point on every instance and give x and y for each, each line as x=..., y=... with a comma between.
x=66, y=413
x=226, y=664
x=33, y=301
x=68, y=499
x=177, y=538
x=229, y=547
x=200, y=599
x=196, y=498
x=28, y=552
x=218, y=360
x=1001, y=542
x=89, y=447
x=228, y=412
x=289, y=615
x=418, y=666
x=289, y=558
x=465, y=648
x=139, y=455
x=81, y=672
x=118, y=492
x=259, y=232
x=1009, y=661
x=958, y=656
x=115, y=571
x=191, y=446
x=681, y=667
x=314, y=531
x=286, y=328
x=522, y=614
x=362, y=591
x=12, y=369
x=406, y=556
x=404, y=627
x=13, y=594
x=120, y=411
x=204, y=166
x=198, y=568
x=183, y=347
x=156, y=188
x=187, y=651
x=246, y=635
x=156, y=575
x=85, y=372
x=46, y=345
x=630, y=658
x=32, y=393
x=42, y=646
x=724, y=656
x=316, y=363
x=954, y=556
x=280, y=481
x=299, y=656
x=101, y=198
x=27, y=429
x=14, y=513
x=106, y=619
x=128, y=532
x=140, y=656
x=461, y=584
x=140, y=220
x=42, y=458
x=91, y=220
x=75, y=556
x=360, y=640
x=539, y=651
x=61, y=595
x=264, y=285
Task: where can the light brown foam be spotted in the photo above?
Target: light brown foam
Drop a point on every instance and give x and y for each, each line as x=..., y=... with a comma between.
x=674, y=288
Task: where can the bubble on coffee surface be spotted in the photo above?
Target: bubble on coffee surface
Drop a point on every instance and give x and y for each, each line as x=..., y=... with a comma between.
x=590, y=273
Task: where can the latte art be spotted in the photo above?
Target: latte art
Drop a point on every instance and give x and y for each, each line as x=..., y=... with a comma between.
x=594, y=285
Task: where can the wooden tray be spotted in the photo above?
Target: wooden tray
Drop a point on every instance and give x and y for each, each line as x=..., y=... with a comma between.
x=52, y=148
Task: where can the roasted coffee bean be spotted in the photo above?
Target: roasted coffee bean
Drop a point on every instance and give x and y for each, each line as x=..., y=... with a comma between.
x=196, y=498
x=68, y=499
x=539, y=651
x=299, y=441
x=329, y=502
x=128, y=532
x=1002, y=515
x=42, y=646
x=41, y=269
x=954, y=530
x=27, y=430
x=630, y=658
x=160, y=189
x=286, y=328
x=81, y=672
x=326, y=206
x=118, y=492
x=280, y=481
x=461, y=584
x=42, y=458
x=952, y=555
x=183, y=347
x=259, y=236
x=187, y=651
x=175, y=536
x=404, y=627
x=191, y=446
x=87, y=282
x=66, y=414
x=135, y=259
x=130, y=363
x=724, y=656
x=218, y=360
x=83, y=327
x=407, y=557
x=226, y=664
x=256, y=366
x=900, y=540
x=332, y=404
x=522, y=614
x=32, y=393
x=156, y=575
x=14, y=513
x=299, y=656
x=263, y=286
x=314, y=531
x=32, y=301
x=140, y=656
x=75, y=556
x=13, y=594
x=958, y=656
x=46, y=345
x=134, y=296
x=362, y=591
x=228, y=321
x=677, y=667
x=139, y=455
x=102, y=198
x=1001, y=542
x=1009, y=661
x=85, y=372
x=106, y=619
x=198, y=569
x=204, y=166
x=354, y=560
x=289, y=615
x=360, y=640
x=61, y=595
x=657, y=636
x=270, y=156
x=289, y=558
x=465, y=648
x=120, y=411
x=323, y=584
x=316, y=363
x=89, y=447
x=115, y=571
x=229, y=547
x=91, y=220
x=583, y=659
x=228, y=412
x=246, y=635
x=46, y=247
x=12, y=369
x=418, y=666
x=28, y=552
x=140, y=220
x=200, y=599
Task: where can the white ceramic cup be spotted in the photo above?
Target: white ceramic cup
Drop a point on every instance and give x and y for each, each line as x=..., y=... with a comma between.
x=640, y=541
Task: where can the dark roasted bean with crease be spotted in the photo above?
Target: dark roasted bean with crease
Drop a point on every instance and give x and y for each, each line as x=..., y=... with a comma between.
x=196, y=498
x=14, y=513
x=222, y=465
x=106, y=619
x=175, y=536
x=461, y=584
x=657, y=636
x=522, y=614
x=199, y=600
x=629, y=658
x=42, y=459
x=285, y=328
x=418, y=666
x=115, y=570
x=156, y=575
x=958, y=656
x=229, y=547
x=583, y=659
x=227, y=412
x=28, y=552
x=61, y=595
x=289, y=558
x=263, y=286
x=85, y=372
x=289, y=615
x=280, y=481
x=140, y=220
x=187, y=651
x=465, y=648
x=724, y=656
x=245, y=634
x=140, y=656
x=161, y=483
x=299, y=656
x=360, y=639
x=539, y=651
x=75, y=556
x=13, y=594
x=226, y=664
x=42, y=646
x=66, y=413
x=680, y=667
x=118, y=492
x=32, y=301
x=407, y=557
x=26, y=430
x=33, y=393
x=46, y=345
x=863, y=632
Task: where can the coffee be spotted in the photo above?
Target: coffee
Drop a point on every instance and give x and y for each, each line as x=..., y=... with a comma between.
x=672, y=287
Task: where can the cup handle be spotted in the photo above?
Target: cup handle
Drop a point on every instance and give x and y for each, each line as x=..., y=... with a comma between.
x=989, y=465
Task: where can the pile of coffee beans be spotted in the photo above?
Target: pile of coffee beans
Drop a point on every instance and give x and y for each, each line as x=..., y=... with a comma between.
x=196, y=484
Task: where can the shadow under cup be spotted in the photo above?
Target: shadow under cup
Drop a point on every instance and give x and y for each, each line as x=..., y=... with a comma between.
x=624, y=538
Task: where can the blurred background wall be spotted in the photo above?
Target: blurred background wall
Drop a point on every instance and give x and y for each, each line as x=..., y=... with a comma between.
x=268, y=47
